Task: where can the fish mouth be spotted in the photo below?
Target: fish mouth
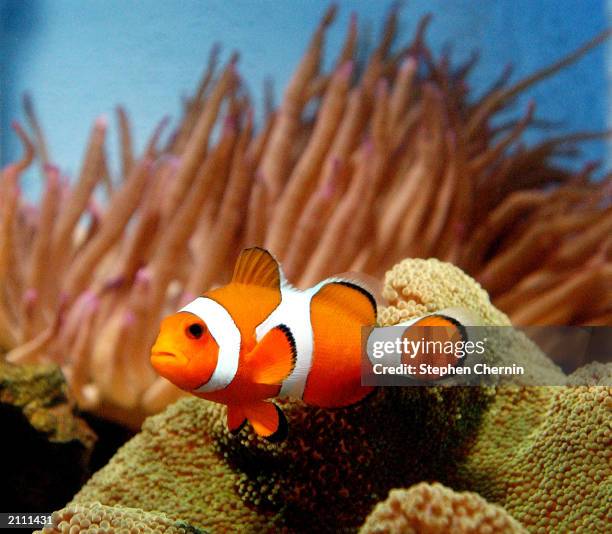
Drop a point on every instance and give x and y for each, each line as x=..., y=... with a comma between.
x=167, y=357
x=163, y=354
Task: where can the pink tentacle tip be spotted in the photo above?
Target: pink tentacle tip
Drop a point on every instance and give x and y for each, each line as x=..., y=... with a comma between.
x=260, y=177
x=101, y=122
x=336, y=165
x=30, y=296
x=382, y=88
x=51, y=170
x=329, y=187
x=143, y=276
x=95, y=210
x=171, y=160
x=368, y=146
x=87, y=295
x=409, y=63
x=346, y=69
x=129, y=319
x=230, y=124
x=92, y=303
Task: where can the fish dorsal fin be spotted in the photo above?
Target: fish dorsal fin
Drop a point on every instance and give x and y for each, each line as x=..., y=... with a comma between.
x=349, y=296
x=256, y=266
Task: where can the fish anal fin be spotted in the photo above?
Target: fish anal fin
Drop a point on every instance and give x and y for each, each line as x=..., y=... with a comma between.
x=267, y=420
x=236, y=419
x=351, y=297
x=273, y=358
x=256, y=266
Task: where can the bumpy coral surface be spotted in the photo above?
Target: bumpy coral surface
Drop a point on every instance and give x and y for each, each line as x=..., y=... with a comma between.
x=435, y=509
x=415, y=287
x=171, y=466
x=545, y=454
x=99, y=519
x=334, y=466
x=593, y=374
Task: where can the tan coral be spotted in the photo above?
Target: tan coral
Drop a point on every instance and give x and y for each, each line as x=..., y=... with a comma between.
x=331, y=469
x=415, y=287
x=172, y=466
x=545, y=455
x=436, y=509
x=96, y=518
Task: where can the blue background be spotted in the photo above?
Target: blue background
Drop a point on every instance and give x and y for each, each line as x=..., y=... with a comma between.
x=80, y=58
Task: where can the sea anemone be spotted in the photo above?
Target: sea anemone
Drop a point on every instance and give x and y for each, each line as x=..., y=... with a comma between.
x=355, y=169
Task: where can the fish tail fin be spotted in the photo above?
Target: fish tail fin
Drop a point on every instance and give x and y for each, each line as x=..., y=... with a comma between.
x=440, y=335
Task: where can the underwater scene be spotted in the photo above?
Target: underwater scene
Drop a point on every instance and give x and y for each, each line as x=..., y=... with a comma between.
x=325, y=267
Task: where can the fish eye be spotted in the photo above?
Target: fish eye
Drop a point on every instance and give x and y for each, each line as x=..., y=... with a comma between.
x=194, y=331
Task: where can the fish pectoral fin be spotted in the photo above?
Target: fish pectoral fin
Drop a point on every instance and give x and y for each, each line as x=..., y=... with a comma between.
x=236, y=419
x=273, y=358
x=256, y=266
x=267, y=420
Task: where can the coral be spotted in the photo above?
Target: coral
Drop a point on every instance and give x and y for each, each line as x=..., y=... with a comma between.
x=435, y=509
x=354, y=169
x=97, y=518
x=331, y=469
x=172, y=467
x=593, y=374
x=47, y=448
x=545, y=455
x=415, y=287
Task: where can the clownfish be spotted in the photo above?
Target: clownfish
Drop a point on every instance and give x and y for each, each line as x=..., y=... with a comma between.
x=259, y=338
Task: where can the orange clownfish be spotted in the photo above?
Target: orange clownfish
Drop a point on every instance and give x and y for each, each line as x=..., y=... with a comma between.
x=258, y=338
